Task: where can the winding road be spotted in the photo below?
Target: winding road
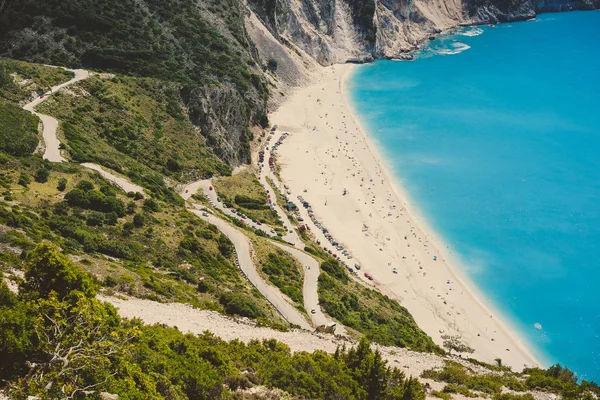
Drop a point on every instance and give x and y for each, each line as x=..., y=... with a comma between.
x=309, y=290
x=50, y=124
x=123, y=183
x=240, y=241
x=242, y=249
x=192, y=188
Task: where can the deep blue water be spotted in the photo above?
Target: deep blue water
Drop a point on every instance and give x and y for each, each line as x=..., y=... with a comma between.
x=498, y=146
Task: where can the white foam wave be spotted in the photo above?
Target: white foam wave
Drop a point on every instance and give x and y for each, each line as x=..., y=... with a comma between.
x=474, y=31
x=457, y=47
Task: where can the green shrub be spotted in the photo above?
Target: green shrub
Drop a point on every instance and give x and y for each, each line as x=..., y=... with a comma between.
x=512, y=396
x=42, y=174
x=24, y=180
x=458, y=389
x=18, y=130
x=62, y=184
x=441, y=395
x=236, y=304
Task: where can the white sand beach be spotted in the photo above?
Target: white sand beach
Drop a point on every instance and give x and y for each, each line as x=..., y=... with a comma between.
x=328, y=153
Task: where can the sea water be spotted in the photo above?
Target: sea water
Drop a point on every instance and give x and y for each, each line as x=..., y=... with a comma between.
x=494, y=132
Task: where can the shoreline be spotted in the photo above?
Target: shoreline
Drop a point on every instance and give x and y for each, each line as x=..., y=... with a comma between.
x=453, y=261
x=437, y=312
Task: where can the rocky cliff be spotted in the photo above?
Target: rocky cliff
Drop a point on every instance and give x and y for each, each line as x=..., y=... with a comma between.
x=334, y=31
x=218, y=51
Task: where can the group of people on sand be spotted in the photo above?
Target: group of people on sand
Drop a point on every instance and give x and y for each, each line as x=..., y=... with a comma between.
x=409, y=250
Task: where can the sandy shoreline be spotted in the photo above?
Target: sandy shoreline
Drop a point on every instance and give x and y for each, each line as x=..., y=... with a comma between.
x=328, y=152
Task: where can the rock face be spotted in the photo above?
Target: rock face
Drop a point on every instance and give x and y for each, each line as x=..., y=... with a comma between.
x=218, y=111
x=334, y=31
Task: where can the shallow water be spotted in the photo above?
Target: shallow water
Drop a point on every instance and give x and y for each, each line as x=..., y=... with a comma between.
x=495, y=135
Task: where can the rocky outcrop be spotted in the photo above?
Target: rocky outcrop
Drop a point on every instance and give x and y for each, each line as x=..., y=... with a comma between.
x=334, y=31
x=219, y=113
x=566, y=5
x=321, y=29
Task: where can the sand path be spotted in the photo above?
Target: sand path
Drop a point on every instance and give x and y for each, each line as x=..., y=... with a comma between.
x=188, y=319
x=50, y=124
x=328, y=154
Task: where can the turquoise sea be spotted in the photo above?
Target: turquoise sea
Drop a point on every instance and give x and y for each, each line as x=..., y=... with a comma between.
x=495, y=134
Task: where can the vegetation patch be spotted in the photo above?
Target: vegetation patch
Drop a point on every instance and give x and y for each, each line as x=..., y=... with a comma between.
x=556, y=379
x=243, y=192
x=18, y=79
x=18, y=130
x=376, y=316
x=143, y=247
x=135, y=126
x=281, y=269
x=56, y=316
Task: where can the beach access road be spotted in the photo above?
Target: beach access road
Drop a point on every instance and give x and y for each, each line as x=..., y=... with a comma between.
x=309, y=290
x=50, y=124
x=311, y=266
x=242, y=249
x=292, y=235
x=192, y=188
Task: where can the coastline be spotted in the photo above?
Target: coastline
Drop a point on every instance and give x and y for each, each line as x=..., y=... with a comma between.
x=435, y=304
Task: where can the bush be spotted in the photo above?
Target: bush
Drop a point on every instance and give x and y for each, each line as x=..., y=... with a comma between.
x=62, y=184
x=151, y=205
x=138, y=220
x=95, y=218
x=458, y=389
x=335, y=269
x=236, y=304
x=84, y=186
x=441, y=395
x=48, y=270
x=512, y=396
x=24, y=180
x=18, y=130
x=272, y=64
x=41, y=175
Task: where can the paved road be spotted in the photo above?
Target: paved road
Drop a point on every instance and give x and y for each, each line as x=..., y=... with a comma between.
x=242, y=248
x=189, y=190
x=309, y=290
x=292, y=235
x=52, y=152
x=123, y=183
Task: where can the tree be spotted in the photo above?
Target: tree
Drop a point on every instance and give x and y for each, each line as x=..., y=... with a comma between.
x=78, y=347
x=138, y=220
x=42, y=174
x=5, y=78
x=151, y=205
x=48, y=271
x=84, y=185
x=24, y=180
x=130, y=208
x=62, y=184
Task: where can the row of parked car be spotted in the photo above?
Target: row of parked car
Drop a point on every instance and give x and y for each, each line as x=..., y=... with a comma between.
x=330, y=238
